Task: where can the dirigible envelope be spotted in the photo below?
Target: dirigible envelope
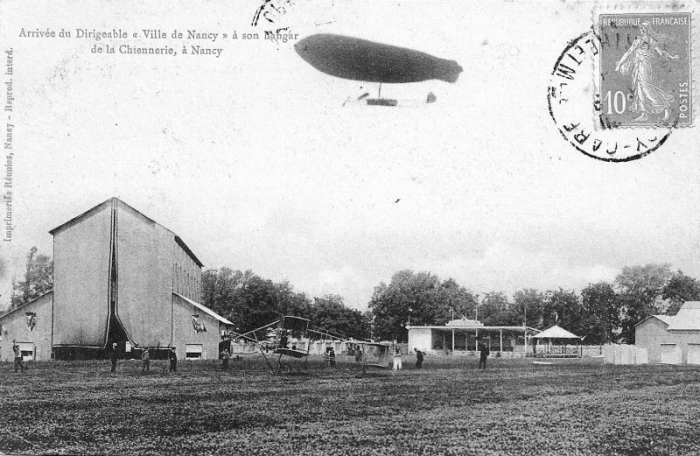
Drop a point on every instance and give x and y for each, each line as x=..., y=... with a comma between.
x=363, y=60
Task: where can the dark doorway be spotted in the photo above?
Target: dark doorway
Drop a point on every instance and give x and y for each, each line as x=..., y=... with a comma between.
x=117, y=335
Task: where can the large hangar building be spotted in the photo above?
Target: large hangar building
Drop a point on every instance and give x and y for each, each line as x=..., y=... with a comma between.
x=119, y=277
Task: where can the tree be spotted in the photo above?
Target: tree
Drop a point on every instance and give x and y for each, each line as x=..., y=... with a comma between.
x=261, y=302
x=454, y=301
x=250, y=301
x=640, y=292
x=38, y=279
x=679, y=289
x=221, y=290
x=563, y=308
x=407, y=293
x=421, y=298
x=331, y=314
x=493, y=310
x=601, y=313
x=527, y=308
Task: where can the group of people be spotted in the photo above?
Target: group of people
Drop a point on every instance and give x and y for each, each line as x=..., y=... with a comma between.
x=225, y=356
x=420, y=356
x=145, y=359
x=398, y=363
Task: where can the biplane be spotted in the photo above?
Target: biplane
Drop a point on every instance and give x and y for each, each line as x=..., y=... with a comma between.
x=362, y=60
x=284, y=337
x=373, y=355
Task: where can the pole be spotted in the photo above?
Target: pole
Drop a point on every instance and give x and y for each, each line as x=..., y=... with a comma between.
x=501, y=350
x=453, y=341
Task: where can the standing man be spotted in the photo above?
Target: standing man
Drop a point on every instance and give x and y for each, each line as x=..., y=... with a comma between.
x=18, y=357
x=172, y=357
x=397, y=358
x=331, y=357
x=113, y=358
x=419, y=358
x=484, y=354
x=284, y=340
x=145, y=361
x=224, y=359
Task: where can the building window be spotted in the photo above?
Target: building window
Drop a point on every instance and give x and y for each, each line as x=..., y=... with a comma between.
x=28, y=349
x=193, y=351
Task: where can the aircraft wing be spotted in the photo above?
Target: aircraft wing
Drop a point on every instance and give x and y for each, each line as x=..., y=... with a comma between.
x=291, y=352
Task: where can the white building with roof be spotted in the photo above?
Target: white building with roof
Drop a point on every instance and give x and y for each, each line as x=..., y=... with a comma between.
x=463, y=336
x=672, y=339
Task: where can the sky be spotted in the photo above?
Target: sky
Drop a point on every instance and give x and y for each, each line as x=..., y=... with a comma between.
x=254, y=161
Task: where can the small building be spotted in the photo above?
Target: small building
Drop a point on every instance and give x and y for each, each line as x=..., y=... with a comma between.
x=30, y=326
x=463, y=335
x=557, y=342
x=671, y=339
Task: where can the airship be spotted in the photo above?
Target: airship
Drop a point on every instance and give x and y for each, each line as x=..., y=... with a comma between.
x=363, y=60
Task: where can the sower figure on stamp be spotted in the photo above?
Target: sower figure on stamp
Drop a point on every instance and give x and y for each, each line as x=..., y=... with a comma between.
x=18, y=357
x=638, y=61
x=483, y=355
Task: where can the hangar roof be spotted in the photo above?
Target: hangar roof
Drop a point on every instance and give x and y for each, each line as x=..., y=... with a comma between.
x=687, y=318
x=665, y=318
x=205, y=309
x=3, y=315
x=97, y=208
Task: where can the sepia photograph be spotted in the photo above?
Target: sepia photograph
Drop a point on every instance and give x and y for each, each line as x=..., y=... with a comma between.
x=262, y=227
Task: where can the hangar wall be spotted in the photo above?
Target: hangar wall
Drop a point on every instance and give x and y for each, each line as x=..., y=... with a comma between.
x=150, y=264
x=187, y=274
x=81, y=252
x=144, y=278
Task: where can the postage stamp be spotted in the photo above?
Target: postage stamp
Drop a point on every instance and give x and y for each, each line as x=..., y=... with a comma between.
x=577, y=108
x=645, y=69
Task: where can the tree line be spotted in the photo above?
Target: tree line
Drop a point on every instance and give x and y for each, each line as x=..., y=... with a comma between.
x=603, y=312
x=250, y=301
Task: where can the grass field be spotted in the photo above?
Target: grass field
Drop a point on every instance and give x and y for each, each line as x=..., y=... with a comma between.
x=572, y=407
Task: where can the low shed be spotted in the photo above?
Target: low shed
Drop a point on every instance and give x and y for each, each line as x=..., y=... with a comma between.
x=30, y=326
x=672, y=339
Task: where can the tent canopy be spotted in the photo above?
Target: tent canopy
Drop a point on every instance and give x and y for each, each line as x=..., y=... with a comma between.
x=556, y=332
